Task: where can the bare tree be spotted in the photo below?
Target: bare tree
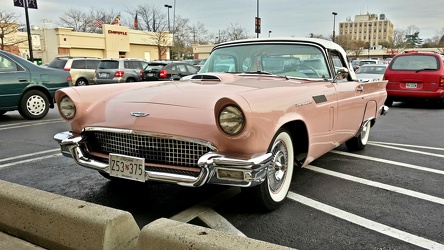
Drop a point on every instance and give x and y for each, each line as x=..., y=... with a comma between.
x=182, y=38
x=356, y=47
x=162, y=40
x=199, y=33
x=150, y=17
x=82, y=21
x=233, y=32
x=8, y=27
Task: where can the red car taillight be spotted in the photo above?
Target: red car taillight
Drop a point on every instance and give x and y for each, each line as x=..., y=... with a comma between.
x=69, y=79
x=119, y=74
x=141, y=74
x=441, y=82
x=163, y=73
x=67, y=69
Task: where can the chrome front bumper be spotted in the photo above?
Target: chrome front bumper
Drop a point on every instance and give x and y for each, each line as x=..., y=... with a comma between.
x=215, y=168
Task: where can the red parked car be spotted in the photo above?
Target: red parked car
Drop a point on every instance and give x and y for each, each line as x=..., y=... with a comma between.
x=415, y=75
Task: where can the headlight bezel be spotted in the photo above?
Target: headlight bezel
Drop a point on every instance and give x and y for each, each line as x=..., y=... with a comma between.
x=231, y=119
x=67, y=108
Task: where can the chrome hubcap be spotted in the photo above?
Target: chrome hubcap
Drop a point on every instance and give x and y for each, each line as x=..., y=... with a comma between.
x=277, y=172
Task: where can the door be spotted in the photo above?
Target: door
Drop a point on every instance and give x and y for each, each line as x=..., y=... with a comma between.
x=13, y=79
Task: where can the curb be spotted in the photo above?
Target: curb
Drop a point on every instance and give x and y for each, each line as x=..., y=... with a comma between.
x=169, y=234
x=37, y=218
x=57, y=222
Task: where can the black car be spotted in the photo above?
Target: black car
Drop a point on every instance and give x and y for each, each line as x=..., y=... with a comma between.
x=168, y=70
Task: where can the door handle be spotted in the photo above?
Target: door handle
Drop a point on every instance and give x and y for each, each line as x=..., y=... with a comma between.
x=360, y=88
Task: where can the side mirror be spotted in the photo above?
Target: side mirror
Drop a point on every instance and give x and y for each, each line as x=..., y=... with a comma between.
x=341, y=73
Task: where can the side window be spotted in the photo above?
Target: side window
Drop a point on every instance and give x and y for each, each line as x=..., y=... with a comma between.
x=127, y=64
x=182, y=68
x=7, y=65
x=92, y=64
x=78, y=64
x=191, y=69
x=338, y=62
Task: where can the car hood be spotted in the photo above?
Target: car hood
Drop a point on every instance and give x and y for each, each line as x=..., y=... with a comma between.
x=197, y=94
x=164, y=106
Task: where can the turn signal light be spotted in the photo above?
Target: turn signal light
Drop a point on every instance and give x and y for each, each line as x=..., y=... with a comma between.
x=441, y=82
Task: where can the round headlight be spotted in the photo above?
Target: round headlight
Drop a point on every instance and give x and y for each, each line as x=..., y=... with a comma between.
x=231, y=120
x=67, y=108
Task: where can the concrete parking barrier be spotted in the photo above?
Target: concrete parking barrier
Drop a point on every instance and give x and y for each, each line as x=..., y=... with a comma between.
x=57, y=222
x=169, y=234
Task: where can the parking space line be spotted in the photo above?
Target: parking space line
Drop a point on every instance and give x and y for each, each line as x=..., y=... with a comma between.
x=405, y=145
x=379, y=185
x=406, y=150
x=14, y=126
x=28, y=155
x=205, y=212
x=29, y=160
x=407, y=165
x=372, y=225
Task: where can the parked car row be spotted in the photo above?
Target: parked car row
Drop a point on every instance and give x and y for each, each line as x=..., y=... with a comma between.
x=88, y=71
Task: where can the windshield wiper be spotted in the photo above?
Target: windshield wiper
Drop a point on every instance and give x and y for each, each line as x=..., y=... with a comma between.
x=424, y=69
x=260, y=72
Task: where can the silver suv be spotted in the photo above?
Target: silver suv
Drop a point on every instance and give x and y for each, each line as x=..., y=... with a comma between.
x=82, y=69
x=119, y=70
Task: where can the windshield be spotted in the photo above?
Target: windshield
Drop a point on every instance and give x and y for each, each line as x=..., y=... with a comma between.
x=295, y=60
x=371, y=70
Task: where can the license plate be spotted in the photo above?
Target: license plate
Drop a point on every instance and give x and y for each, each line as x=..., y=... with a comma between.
x=150, y=74
x=127, y=167
x=411, y=85
x=103, y=74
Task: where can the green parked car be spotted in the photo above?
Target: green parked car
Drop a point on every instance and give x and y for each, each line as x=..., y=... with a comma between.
x=27, y=87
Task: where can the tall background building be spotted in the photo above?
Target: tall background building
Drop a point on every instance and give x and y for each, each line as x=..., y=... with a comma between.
x=368, y=28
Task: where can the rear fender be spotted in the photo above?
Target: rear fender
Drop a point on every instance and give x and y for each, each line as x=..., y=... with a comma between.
x=370, y=112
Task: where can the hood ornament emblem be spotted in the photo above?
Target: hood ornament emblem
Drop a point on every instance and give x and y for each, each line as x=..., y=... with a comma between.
x=139, y=114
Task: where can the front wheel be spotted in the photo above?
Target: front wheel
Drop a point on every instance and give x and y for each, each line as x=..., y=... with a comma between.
x=272, y=192
x=34, y=105
x=358, y=142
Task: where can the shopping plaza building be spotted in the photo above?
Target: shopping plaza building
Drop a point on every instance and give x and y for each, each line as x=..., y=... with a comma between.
x=114, y=42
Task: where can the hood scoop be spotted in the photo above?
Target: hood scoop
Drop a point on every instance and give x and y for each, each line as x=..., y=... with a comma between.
x=205, y=77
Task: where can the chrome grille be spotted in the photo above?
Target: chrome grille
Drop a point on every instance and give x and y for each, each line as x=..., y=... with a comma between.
x=163, y=151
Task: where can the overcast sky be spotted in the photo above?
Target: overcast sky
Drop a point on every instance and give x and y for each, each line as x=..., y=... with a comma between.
x=282, y=17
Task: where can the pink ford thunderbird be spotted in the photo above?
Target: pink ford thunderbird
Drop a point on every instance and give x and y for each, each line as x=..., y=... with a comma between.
x=256, y=110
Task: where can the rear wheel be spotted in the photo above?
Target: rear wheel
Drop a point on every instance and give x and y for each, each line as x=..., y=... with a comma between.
x=272, y=192
x=358, y=142
x=82, y=82
x=34, y=105
x=130, y=80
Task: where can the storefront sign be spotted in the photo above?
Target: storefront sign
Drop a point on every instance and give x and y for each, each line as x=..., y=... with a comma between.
x=118, y=32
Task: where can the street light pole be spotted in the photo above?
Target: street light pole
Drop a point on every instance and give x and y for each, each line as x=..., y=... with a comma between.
x=334, y=24
x=169, y=7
